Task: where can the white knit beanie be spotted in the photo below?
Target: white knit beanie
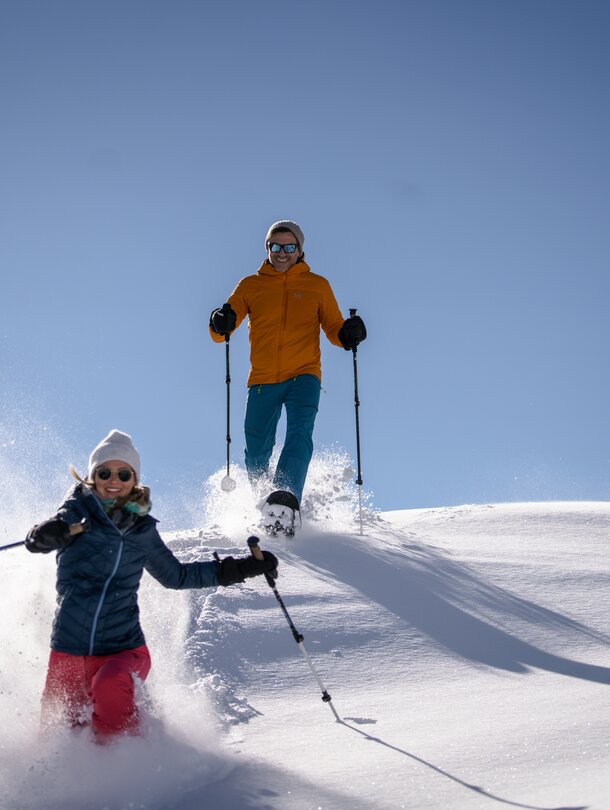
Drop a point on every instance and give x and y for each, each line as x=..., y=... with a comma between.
x=117, y=446
x=290, y=226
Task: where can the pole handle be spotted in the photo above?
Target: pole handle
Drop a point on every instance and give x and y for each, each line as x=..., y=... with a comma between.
x=78, y=528
x=225, y=307
x=352, y=314
x=258, y=555
x=255, y=548
x=74, y=529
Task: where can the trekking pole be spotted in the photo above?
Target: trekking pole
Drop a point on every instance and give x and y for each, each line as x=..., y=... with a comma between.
x=228, y=484
x=73, y=528
x=298, y=637
x=12, y=545
x=352, y=312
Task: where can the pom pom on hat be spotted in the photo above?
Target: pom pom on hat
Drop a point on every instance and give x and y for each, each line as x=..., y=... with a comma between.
x=117, y=446
x=290, y=226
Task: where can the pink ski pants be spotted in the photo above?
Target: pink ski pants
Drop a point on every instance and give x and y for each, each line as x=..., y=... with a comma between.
x=77, y=683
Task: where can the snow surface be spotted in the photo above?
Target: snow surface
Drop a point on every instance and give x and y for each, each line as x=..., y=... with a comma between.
x=466, y=649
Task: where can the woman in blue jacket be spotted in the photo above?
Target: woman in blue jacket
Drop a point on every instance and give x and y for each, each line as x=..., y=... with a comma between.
x=105, y=537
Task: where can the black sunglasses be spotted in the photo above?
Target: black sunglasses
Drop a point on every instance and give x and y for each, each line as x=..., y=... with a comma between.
x=275, y=247
x=105, y=474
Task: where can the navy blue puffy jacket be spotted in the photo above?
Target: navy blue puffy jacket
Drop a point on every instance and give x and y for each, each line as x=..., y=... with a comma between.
x=99, y=574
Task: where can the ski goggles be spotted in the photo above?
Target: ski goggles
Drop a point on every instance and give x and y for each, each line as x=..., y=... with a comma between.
x=104, y=474
x=275, y=247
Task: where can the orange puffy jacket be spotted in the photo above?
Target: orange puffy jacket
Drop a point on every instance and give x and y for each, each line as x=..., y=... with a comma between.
x=286, y=310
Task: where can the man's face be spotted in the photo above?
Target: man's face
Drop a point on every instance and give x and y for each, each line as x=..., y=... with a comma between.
x=282, y=260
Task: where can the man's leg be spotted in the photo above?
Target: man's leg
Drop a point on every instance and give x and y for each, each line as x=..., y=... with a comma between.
x=263, y=411
x=112, y=690
x=301, y=400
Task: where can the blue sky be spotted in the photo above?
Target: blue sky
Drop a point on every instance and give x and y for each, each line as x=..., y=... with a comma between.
x=448, y=162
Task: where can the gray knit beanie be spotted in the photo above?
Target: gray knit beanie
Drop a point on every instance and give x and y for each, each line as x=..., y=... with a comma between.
x=290, y=226
x=117, y=446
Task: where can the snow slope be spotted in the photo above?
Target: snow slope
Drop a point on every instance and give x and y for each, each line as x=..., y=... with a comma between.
x=466, y=649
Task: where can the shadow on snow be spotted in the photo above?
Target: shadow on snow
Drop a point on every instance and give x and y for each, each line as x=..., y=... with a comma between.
x=440, y=597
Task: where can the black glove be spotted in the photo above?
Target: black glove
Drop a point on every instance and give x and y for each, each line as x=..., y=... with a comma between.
x=223, y=321
x=48, y=536
x=233, y=570
x=352, y=332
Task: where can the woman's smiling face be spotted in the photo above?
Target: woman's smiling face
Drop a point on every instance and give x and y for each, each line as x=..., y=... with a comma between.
x=108, y=483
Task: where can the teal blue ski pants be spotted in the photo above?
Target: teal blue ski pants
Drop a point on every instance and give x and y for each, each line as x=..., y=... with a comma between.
x=300, y=396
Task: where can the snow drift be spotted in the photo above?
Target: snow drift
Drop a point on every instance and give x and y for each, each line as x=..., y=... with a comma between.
x=466, y=649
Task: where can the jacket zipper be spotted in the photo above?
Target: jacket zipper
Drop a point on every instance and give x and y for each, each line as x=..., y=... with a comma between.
x=102, y=598
x=282, y=322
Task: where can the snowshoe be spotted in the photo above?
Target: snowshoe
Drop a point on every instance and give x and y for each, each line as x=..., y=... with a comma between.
x=279, y=513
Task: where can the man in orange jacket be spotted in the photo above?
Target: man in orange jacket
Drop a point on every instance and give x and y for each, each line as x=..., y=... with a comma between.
x=287, y=305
